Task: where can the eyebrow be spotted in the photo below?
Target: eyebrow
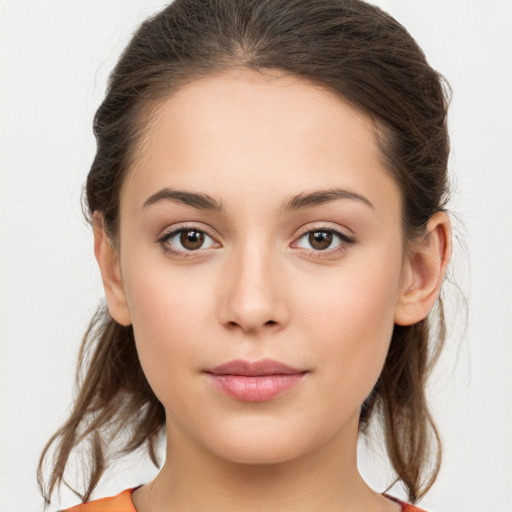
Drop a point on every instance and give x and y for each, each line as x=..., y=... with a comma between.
x=194, y=199
x=319, y=197
x=298, y=202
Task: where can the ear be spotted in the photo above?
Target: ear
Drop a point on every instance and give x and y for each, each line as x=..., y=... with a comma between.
x=424, y=271
x=107, y=257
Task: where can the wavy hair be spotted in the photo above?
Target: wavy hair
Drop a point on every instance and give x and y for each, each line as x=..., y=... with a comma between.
x=361, y=54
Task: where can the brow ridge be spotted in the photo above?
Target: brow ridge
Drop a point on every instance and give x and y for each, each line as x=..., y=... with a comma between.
x=194, y=199
x=298, y=202
x=319, y=197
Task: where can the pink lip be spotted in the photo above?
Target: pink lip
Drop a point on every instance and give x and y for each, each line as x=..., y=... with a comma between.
x=256, y=381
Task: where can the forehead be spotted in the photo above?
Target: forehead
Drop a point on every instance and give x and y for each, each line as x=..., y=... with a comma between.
x=266, y=133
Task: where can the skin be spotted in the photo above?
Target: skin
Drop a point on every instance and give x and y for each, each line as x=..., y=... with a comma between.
x=257, y=289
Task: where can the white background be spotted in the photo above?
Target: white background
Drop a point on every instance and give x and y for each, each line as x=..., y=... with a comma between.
x=55, y=56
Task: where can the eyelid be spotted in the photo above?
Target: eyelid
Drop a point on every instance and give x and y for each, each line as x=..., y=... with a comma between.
x=345, y=233
x=173, y=230
x=198, y=226
x=345, y=240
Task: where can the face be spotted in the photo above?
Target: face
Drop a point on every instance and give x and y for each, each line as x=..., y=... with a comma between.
x=261, y=261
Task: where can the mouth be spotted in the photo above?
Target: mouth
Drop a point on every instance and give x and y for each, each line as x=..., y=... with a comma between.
x=256, y=381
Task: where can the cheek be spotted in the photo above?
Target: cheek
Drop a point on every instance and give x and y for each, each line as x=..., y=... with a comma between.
x=353, y=324
x=169, y=315
x=341, y=321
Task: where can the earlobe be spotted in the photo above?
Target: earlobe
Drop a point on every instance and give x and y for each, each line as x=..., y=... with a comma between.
x=108, y=260
x=424, y=272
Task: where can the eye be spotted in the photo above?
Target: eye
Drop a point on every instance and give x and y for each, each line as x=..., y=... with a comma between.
x=186, y=240
x=326, y=240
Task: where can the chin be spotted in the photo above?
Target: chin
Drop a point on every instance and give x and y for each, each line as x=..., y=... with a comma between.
x=268, y=444
x=263, y=453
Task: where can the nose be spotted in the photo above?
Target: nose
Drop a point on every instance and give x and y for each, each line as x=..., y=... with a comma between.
x=254, y=294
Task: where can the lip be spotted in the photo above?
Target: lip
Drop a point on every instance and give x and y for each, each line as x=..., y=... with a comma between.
x=256, y=381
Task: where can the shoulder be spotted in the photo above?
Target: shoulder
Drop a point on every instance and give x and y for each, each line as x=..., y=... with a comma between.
x=120, y=503
x=411, y=508
x=123, y=503
x=406, y=507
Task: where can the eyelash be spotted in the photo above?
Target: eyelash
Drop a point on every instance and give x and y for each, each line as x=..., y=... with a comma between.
x=344, y=240
x=167, y=248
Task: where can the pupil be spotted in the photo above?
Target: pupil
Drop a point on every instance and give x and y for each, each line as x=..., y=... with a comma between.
x=320, y=239
x=192, y=239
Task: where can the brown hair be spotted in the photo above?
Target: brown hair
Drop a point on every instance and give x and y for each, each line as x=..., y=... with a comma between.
x=360, y=53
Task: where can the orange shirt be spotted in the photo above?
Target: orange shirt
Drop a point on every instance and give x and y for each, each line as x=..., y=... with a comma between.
x=120, y=503
x=123, y=503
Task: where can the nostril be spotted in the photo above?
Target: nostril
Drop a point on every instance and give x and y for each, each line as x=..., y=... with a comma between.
x=270, y=322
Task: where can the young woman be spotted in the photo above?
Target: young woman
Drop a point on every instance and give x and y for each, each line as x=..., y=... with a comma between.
x=268, y=206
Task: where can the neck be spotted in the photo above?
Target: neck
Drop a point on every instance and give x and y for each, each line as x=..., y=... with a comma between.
x=326, y=478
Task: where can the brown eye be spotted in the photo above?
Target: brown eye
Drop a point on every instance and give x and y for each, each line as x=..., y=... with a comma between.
x=191, y=239
x=184, y=242
x=320, y=240
x=324, y=242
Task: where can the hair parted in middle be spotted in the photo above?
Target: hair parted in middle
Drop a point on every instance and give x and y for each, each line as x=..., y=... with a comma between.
x=359, y=53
